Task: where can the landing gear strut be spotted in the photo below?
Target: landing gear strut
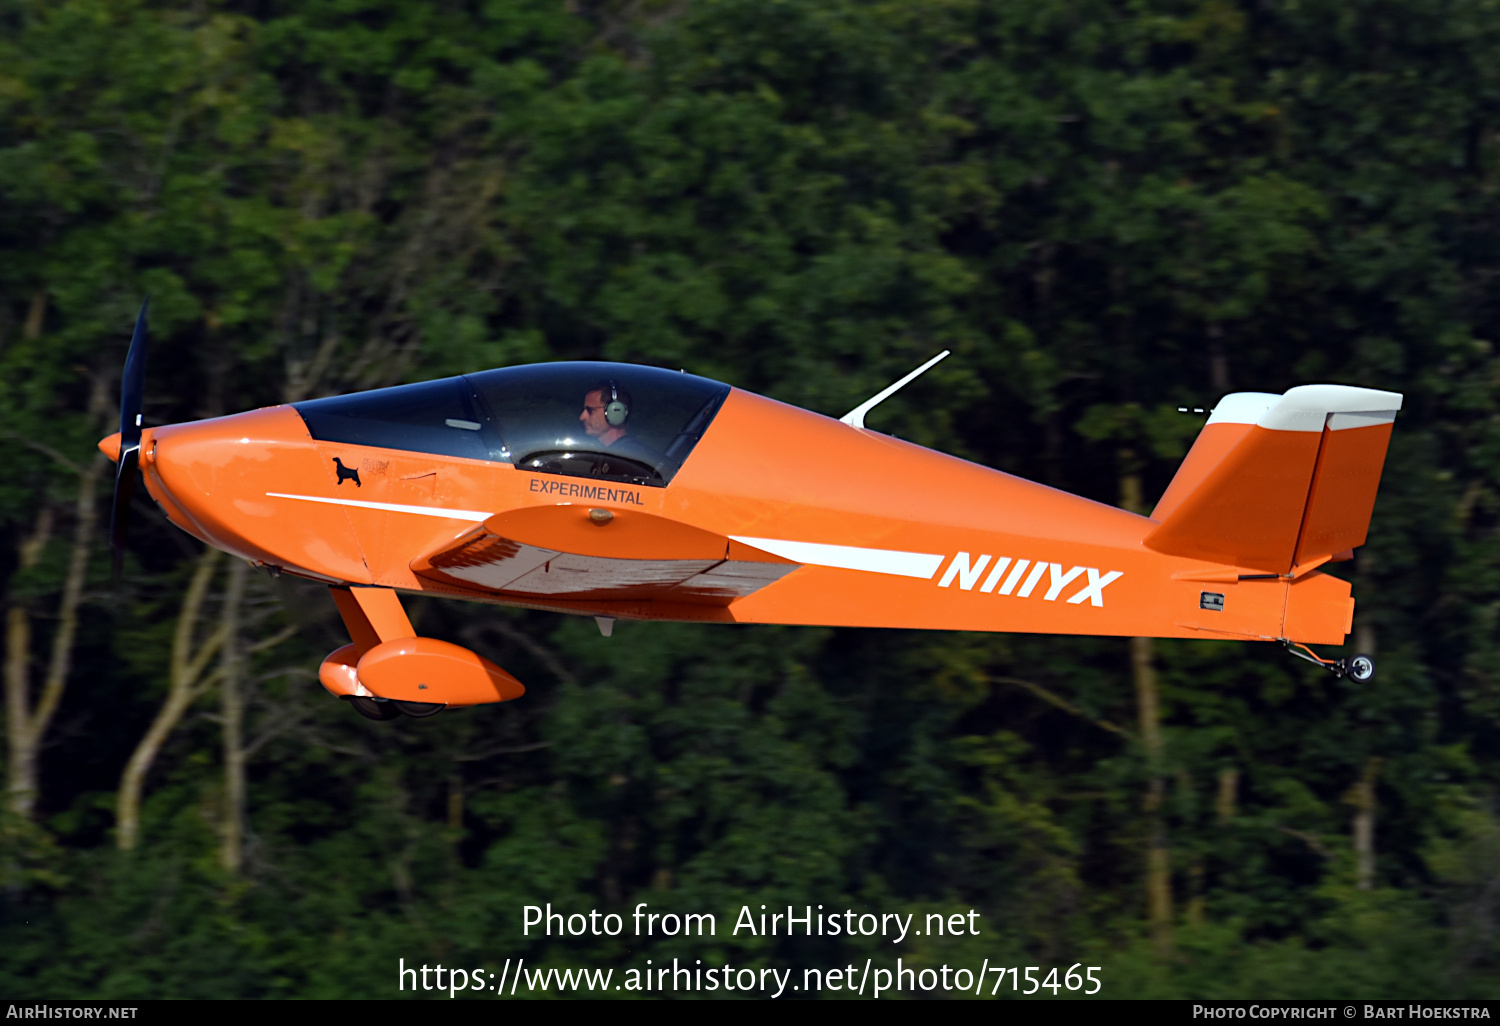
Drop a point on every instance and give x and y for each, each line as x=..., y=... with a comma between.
x=1359, y=668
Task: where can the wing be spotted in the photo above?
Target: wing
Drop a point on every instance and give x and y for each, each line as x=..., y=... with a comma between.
x=562, y=552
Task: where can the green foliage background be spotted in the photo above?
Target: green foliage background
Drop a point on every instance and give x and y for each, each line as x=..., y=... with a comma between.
x=1106, y=209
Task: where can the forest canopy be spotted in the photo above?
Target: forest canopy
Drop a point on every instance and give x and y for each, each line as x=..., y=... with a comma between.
x=1106, y=210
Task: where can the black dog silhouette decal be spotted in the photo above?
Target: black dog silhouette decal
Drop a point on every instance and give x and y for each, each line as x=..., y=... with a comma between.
x=346, y=473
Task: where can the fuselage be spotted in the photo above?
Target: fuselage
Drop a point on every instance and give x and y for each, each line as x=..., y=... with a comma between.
x=875, y=532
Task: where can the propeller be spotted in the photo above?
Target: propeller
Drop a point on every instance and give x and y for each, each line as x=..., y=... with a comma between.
x=132, y=387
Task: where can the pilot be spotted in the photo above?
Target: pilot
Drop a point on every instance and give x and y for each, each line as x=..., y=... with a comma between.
x=607, y=409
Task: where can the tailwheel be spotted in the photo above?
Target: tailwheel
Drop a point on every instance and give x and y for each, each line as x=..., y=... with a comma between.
x=419, y=710
x=370, y=709
x=1359, y=669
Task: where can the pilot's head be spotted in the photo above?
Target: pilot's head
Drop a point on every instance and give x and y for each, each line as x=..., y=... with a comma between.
x=606, y=408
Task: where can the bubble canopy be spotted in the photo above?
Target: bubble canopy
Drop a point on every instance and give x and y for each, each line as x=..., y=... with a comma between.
x=534, y=417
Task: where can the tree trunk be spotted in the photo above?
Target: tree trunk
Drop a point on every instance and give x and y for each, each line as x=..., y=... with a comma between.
x=20, y=777
x=1148, y=714
x=1362, y=797
x=18, y=676
x=1197, y=870
x=27, y=726
x=20, y=782
x=184, y=688
x=36, y=315
x=1158, y=855
x=1229, y=786
x=232, y=711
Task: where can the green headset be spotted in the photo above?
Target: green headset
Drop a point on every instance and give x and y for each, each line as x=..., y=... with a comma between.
x=616, y=412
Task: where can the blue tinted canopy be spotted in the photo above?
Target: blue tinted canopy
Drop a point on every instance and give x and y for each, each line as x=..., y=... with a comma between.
x=534, y=417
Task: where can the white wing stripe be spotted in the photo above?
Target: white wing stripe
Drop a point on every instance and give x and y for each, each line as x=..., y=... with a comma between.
x=923, y=565
x=422, y=511
x=849, y=557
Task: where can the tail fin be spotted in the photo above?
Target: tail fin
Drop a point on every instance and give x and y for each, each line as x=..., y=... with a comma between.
x=1279, y=483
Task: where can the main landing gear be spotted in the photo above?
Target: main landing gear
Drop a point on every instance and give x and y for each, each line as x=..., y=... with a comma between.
x=392, y=709
x=370, y=709
x=389, y=672
x=1359, y=668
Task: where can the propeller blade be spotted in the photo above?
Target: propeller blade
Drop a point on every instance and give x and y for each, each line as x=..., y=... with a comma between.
x=132, y=389
x=132, y=386
x=119, y=513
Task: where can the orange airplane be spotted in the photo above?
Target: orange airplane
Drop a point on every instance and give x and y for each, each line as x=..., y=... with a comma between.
x=629, y=492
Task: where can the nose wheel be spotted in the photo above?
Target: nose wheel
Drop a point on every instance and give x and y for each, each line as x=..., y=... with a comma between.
x=1359, y=668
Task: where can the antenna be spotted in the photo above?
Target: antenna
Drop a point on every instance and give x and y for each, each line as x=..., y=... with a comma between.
x=856, y=416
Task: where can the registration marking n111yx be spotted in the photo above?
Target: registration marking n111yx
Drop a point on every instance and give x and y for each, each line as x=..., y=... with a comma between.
x=1025, y=576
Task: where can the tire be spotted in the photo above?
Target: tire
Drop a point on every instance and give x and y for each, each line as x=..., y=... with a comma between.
x=373, y=710
x=419, y=710
x=1361, y=668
